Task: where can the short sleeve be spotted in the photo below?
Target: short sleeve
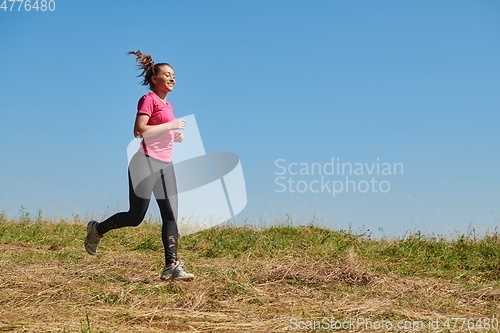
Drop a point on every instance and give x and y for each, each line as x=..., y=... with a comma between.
x=145, y=105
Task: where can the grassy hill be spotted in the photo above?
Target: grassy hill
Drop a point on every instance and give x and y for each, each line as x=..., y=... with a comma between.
x=281, y=279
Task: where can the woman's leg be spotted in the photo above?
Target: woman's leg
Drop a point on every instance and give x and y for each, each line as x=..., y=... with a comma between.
x=165, y=191
x=138, y=207
x=141, y=180
x=135, y=215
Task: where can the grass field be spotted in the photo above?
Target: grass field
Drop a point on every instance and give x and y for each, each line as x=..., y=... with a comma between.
x=279, y=279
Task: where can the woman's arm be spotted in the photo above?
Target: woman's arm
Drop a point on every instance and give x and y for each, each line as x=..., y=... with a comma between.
x=141, y=127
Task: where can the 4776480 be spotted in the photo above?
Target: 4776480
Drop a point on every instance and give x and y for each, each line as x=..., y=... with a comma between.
x=28, y=5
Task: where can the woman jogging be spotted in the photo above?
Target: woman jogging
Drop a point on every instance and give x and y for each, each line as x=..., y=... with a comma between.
x=150, y=169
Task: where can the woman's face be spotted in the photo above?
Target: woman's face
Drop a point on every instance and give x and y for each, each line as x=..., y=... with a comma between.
x=164, y=80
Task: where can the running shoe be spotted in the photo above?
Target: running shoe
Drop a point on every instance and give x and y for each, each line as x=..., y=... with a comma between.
x=176, y=273
x=92, y=239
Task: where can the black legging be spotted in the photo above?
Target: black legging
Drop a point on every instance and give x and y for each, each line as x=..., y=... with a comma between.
x=147, y=175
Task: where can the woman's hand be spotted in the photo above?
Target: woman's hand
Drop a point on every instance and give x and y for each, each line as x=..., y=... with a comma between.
x=177, y=124
x=178, y=137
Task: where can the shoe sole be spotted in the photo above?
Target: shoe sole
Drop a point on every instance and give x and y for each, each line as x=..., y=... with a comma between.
x=177, y=279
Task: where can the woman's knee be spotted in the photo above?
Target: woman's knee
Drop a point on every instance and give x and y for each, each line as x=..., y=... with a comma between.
x=135, y=219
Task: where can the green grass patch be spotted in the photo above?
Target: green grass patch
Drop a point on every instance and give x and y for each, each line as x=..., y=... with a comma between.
x=413, y=255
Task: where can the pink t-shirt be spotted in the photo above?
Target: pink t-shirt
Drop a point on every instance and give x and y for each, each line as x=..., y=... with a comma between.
x=158, y=146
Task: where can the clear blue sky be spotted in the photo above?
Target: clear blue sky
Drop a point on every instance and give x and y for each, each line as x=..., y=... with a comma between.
x=410, y=82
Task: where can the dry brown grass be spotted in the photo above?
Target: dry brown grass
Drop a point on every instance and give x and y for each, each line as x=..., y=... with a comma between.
x=53, y=288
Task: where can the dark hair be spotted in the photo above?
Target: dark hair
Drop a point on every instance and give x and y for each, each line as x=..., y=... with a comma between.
x=148, y=66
